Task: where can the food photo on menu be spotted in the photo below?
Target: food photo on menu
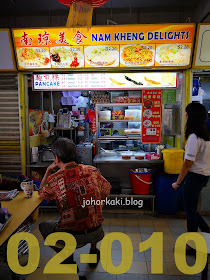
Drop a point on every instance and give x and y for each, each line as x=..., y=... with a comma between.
x=173, y=54
x=66, y=57
x=137, y=55
x=102, y=56
x=143, y=80
x=33, y=57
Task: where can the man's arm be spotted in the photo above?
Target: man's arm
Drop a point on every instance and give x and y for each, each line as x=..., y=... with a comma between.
x=47, y=174
x=45, y=190
x=185, y=168
x=191, y=151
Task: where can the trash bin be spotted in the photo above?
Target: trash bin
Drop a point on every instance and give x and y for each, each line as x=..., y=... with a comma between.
x=173, y=160
x=167, y=199
x=140, y=182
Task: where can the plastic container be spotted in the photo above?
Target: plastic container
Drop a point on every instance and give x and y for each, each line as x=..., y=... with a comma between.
x=104, y=115
x=173, y=160
x=139, y=157
x=140, y=182
x=167, y=199
x=132, y=131
x=132, y=114
x=127, y=131
x=107, y=153
x=126, y=155
x=152, y=156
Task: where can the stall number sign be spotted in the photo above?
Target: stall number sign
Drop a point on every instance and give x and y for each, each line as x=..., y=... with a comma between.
x=151, y=116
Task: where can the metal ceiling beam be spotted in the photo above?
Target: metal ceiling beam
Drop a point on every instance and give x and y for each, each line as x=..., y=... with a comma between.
x=13, y=2
x=201, y=11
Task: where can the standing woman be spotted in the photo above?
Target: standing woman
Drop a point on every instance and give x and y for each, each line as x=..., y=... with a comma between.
x=196, y=166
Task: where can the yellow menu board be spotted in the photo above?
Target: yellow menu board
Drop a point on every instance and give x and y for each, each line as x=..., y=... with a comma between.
x=123, y=46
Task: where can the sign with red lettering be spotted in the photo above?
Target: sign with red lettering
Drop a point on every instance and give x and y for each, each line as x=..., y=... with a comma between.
x=151, y=116
x=117, y=46
x=105, y=81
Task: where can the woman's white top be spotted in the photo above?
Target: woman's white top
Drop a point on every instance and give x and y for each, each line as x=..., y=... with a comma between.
x=198, y=151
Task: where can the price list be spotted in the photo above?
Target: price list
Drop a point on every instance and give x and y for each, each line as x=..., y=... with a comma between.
x=103, y=81
x=70, y=81
x=151, y=116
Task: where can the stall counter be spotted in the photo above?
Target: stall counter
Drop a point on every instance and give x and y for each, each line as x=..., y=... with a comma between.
x=114, y=159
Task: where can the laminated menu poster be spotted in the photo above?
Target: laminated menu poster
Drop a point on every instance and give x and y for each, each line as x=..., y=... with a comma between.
x=38, y=122
x=151, y=116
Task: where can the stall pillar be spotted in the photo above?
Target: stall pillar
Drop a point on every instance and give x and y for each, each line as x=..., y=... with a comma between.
x=188, y=93
x=188, y=87
x=22, y=103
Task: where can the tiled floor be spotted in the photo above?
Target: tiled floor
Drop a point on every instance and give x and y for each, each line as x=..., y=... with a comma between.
x=138, y=228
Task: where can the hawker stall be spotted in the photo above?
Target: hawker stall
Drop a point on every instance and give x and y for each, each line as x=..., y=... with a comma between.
x=132, y=80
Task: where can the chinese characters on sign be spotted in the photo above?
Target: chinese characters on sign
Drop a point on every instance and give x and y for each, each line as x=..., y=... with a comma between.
x=151, y=116
x=62, y=38
x=105, y=46
x=79, y=37
x=91, y=81
x=27, y=41
x=44, y=39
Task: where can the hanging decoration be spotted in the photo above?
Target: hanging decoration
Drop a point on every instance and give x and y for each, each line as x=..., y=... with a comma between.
x=81, y=11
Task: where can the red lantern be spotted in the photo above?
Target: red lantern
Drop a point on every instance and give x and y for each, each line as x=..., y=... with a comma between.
x=94, y=3
x=81, y=11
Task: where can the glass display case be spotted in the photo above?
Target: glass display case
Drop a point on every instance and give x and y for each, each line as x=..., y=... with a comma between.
x=118, y=133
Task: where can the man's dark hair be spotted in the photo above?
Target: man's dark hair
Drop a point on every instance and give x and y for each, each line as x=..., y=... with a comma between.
x=64, y=149
x=196, y=121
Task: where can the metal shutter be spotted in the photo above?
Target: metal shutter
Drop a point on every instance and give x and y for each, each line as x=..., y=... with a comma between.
x=10, y=157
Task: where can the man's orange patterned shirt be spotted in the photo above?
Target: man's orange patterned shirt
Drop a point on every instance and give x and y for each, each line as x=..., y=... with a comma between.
x=71, y=188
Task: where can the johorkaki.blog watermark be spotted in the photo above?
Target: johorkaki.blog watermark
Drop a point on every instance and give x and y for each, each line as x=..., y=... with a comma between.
x=114, y=202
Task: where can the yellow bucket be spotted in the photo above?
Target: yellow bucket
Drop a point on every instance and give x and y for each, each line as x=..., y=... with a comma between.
x=173, y=160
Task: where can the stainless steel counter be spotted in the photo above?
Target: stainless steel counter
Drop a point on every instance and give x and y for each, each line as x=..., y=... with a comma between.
x=118, y=159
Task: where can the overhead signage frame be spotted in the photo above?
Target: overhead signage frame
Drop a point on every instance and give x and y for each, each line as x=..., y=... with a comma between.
x=105, y=47
x=201, y=59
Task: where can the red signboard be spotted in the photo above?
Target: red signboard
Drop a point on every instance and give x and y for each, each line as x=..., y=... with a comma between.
x=151, y=116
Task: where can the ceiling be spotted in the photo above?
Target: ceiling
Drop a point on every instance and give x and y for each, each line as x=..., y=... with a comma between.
x=30, y=13
x=24, y=7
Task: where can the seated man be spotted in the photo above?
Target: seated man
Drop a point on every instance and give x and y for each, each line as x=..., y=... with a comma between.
x=79, y=191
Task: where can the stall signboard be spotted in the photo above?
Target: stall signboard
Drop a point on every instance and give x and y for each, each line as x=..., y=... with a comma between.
x=202, y=54
x=151, y=116
x=105, y=81
x=123, y=46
